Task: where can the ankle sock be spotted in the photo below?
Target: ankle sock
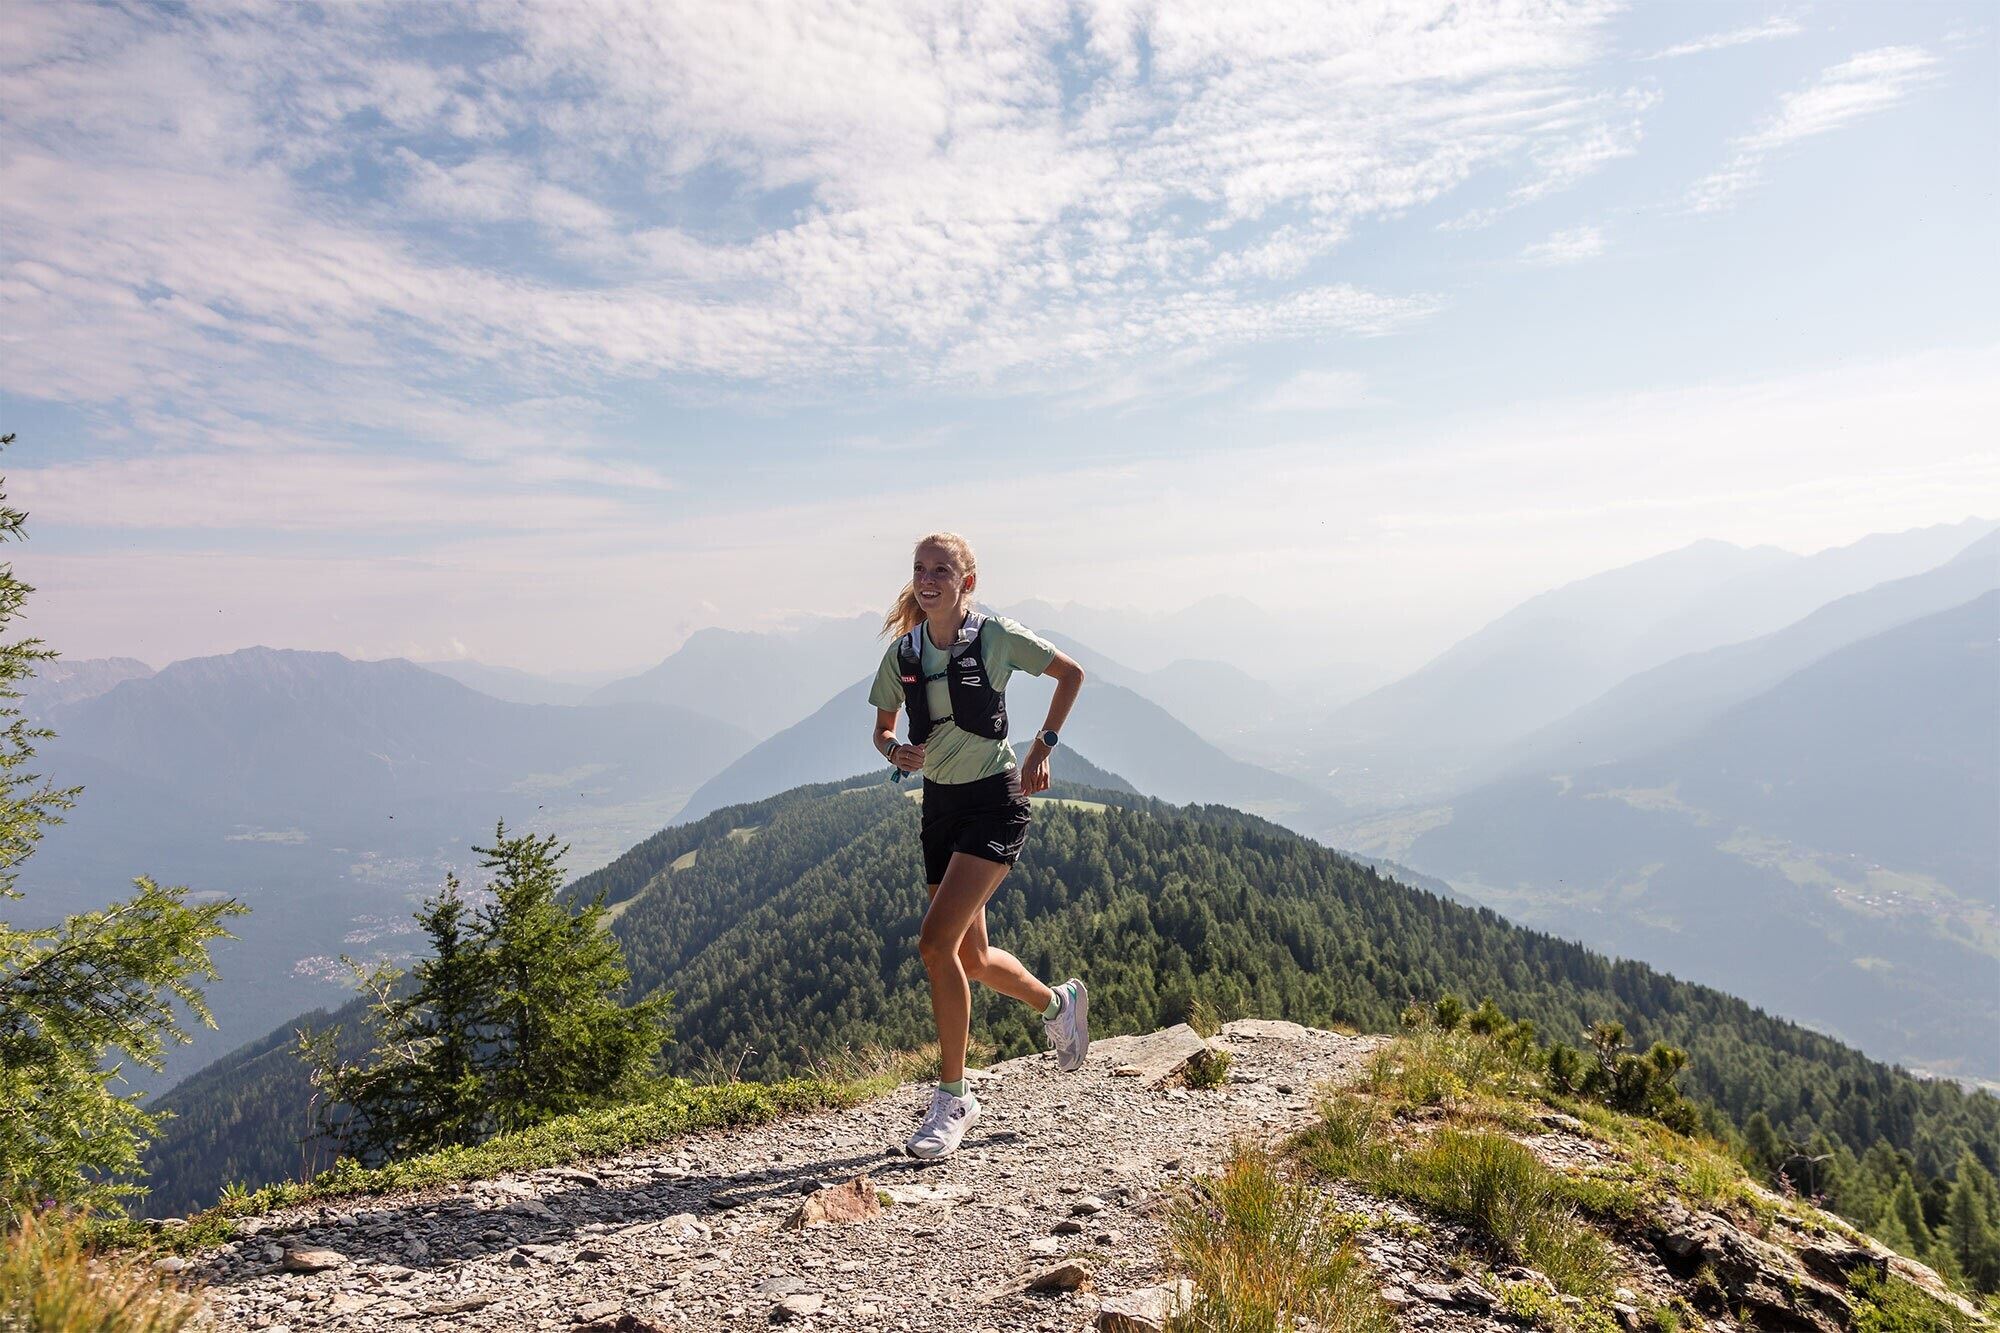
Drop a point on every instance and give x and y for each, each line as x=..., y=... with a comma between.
x=956, y=1087
x=1055, y=1005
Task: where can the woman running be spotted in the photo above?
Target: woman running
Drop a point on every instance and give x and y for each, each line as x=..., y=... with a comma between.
x=948, y=668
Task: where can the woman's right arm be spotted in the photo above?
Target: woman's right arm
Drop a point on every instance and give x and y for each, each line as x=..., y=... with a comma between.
x=909, y=758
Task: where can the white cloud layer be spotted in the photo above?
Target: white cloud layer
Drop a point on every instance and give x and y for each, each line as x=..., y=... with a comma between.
x=1566, y=247
x=1776, y=27
x=209, y=206
x=1870, y=82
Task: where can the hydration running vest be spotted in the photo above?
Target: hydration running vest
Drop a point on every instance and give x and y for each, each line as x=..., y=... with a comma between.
x=976, y=707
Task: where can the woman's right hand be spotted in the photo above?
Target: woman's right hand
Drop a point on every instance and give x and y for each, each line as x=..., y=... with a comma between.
x=909, y=758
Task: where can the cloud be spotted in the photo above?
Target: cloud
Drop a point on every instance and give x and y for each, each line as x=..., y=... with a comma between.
x=1566, y=247
x=210, y=205
x=1771, y=29
x=1870, y=82
x=1318, y=391
x=1399, y=535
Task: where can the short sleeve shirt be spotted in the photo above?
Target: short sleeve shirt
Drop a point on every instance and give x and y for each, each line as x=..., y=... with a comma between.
x=951, y=755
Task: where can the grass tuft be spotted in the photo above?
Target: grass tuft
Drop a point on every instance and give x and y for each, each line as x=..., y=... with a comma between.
x=1208, y=1069
x=1268, y=1254
x=1527, y=1210
x=52, y=1280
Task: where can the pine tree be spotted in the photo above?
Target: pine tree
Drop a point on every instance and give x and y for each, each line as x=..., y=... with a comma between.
x=1907, y=1211
x=70, y=995
x=423, y=1088
x=1969, y=1222
x=564, y=1039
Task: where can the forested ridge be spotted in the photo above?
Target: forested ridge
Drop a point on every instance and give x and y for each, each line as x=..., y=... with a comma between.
x=790, y=933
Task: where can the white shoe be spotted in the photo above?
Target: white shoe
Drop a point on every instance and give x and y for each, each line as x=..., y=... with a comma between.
x=944, y=1124
x=1069, y=1031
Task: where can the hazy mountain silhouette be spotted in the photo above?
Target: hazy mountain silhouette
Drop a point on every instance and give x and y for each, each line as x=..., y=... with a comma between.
x=276, y=732
x=1657, y=707
x=1558, y=651
x=1117, y=728
x=329, y=794
x=1827, y=848
x=760, y=681
x=66, y=681
x=509, y=683
x=832, y=745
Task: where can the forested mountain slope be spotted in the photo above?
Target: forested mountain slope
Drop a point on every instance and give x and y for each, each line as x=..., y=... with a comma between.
x=787, y=931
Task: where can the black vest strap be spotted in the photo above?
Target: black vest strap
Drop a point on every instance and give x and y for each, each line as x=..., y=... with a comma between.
x=976, y=707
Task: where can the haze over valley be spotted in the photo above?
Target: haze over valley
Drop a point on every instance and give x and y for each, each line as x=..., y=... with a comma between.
x=1767, y=772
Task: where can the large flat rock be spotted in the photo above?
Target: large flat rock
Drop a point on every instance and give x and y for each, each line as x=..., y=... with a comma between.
x=1153, y=1056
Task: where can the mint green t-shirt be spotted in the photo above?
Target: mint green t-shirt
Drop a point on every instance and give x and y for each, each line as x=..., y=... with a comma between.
x=951, y=755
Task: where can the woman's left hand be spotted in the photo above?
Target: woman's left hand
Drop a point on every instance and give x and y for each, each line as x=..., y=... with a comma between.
x=1035, y=770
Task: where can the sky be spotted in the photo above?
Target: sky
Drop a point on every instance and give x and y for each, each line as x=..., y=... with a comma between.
x=547, y=333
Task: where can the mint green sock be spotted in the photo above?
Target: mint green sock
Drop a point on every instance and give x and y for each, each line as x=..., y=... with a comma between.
x=1055, y=1005
x=956, y=1087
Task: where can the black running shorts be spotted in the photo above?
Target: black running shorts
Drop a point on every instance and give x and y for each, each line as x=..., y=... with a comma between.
x=987, y=819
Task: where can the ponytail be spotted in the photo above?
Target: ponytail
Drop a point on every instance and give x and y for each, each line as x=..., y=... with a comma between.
x=904, y=615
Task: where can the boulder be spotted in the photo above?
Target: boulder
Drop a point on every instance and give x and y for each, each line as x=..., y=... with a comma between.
x=1146, y=1310
x=855, y=1201
x=1152, y=1057
x=309, y=1260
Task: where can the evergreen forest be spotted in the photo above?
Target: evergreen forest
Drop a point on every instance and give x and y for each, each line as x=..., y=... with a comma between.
x=786, y=932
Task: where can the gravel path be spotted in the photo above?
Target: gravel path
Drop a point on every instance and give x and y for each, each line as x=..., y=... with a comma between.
x=694, y=1235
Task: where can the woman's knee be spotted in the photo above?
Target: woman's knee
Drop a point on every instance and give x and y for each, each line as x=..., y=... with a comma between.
x=936, y=947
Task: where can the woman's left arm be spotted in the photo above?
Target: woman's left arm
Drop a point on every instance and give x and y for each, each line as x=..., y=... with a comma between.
x=1069, y=679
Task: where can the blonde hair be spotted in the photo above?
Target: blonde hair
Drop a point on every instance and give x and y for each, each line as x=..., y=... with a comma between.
x=906, y=614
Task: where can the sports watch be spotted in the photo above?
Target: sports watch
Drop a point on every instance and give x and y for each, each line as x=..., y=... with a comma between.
x=1047, y=738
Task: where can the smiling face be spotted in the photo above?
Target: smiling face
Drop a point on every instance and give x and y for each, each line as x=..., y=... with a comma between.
x=944, y=591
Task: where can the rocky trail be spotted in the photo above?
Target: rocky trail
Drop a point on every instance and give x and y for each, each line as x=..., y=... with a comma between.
x=1064, y=1179
x=1052, y=1216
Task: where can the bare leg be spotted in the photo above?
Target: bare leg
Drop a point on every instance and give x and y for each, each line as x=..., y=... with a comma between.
x=959, y=901
x=999, y=970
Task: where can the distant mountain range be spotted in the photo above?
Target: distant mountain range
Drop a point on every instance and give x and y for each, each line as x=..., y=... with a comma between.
x=1125, y=733
x=1828, y=847
x=1462, y=712
x=330, y=794
x=762, y=682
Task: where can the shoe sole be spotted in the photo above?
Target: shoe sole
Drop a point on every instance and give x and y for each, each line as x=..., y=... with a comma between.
x=1083, y=1022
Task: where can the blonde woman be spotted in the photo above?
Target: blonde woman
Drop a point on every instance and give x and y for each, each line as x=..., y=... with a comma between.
x=948, y=669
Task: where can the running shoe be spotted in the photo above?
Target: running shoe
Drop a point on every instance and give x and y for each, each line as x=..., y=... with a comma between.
x=944, y=1124
x=1069, y=1031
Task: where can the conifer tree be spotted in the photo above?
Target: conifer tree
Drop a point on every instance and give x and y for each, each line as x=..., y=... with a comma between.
x=516, y=1016
x=1907, y=1211
x=111, y=980
x=564, y=1039
x=423, y=1089
x=1971, y=1225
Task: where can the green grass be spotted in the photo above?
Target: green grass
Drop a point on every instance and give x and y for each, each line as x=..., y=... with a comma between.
x=1268, y=1254
x=1208, y=1069
x=1892, y=1305
x=677, y=1109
